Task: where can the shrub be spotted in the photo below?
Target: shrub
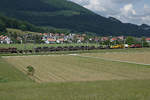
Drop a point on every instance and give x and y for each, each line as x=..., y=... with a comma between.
x=30, y=70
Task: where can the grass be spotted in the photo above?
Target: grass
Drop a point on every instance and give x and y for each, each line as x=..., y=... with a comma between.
x=11, y=30
x=9, y=73
x=98, y=90
x=63, y=68
x=137, y=57
x=85, y=78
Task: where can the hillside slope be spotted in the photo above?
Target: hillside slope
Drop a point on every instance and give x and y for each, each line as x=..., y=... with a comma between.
x=7, y=22
x=68, y=15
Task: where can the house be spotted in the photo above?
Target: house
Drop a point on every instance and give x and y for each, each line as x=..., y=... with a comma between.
x=84, y=35
x=50, y=40
x=147, y=40
x=104, y=39
x=96, y=39
x=60, y=40
x=57, y=34
x=45, y=34
x=62, y=34
x=41, y=34
x=121, y=38
x=80, y=39
x=113, y=39
x=5, y=39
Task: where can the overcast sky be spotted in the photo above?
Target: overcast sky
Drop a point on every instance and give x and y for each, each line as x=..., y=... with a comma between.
x=132, y=11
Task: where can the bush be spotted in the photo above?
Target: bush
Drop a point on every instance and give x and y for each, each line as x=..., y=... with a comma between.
x=30, y=70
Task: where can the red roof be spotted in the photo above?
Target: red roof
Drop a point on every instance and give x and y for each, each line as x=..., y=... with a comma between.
x=61, y=39
x=114, y=39
x=147, y=39
x=57, y=34
x=51, y=40
x=62, y=34
x=104, y=38
x=81, y=38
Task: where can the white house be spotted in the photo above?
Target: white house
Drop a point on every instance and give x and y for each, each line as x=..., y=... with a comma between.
x=5, y=39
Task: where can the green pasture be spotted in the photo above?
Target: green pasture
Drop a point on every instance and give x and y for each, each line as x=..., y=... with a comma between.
x=11, y=30
x=9, y=73
x=97, y=90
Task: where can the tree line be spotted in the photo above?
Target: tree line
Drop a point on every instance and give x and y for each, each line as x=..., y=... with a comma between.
x=6, y=22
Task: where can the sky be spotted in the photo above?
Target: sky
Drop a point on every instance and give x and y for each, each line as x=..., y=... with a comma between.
x=128, y=11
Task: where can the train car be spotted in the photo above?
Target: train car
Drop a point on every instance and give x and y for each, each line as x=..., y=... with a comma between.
x=117, y=47
x=135, y=46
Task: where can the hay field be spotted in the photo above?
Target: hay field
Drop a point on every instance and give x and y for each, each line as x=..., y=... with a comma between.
x=135, y=57
x=69, y=68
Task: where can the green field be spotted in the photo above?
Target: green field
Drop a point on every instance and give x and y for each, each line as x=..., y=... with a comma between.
x=88, y=76
x=8, y=73
x=11, y=30
x=64, y=68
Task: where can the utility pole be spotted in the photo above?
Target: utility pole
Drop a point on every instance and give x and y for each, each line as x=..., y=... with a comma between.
x=142, y=43
x=25, y=37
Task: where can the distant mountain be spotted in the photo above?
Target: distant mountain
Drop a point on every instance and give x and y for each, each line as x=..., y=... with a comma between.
x=68, y=15
x=145, y=27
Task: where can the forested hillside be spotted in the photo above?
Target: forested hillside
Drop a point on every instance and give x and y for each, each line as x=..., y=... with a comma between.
x=68, y=15
x=6, y=22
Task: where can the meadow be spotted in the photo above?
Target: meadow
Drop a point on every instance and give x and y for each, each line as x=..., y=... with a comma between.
x=82, y=76
x=64, y=68
x=131, y=57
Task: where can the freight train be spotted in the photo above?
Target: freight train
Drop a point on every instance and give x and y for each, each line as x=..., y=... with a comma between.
x=59, y=48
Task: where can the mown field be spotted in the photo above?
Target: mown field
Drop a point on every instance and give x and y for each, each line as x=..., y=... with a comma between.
x=131, y=57
x=63, y=68
x=76, y=77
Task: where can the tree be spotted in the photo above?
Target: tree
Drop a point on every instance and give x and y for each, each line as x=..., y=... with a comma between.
x=37, y=39
x=30, y=70
x=22, y=27
x=2, y=26
x=107, y=42
x=144, y=43
x=130, y=40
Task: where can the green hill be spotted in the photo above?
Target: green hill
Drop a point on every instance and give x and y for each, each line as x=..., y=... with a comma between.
x=68, y=15
x=7, y=22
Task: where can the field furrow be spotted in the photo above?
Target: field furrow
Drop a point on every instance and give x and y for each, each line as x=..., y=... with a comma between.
x=79, y=68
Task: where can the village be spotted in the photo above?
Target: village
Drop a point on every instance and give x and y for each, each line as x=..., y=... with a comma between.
x=60, y=38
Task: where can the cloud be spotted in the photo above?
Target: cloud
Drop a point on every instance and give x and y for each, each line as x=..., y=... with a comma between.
x=146, y=15
x=125, y=10
x=127, y=13
x=81, y=2
x=128, y=10
x=96, y=5
x=124, y=1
